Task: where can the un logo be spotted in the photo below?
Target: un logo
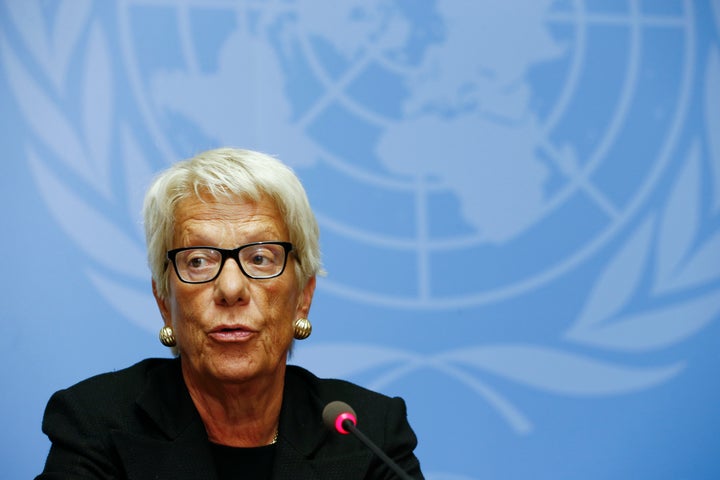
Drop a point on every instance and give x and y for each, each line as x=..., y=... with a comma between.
x=501, y=157
x=482, y=161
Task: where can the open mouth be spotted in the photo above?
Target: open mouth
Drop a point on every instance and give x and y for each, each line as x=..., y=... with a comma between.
x=231, y=334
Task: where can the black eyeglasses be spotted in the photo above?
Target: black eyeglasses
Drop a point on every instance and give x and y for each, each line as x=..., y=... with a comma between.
x=256, y=260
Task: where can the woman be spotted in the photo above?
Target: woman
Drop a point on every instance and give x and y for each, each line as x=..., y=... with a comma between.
x=234, y=253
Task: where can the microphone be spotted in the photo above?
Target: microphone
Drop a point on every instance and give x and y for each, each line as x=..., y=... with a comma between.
x=340, y=416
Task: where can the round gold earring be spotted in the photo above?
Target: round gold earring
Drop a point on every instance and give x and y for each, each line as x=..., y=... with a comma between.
x=167, y=336
x=302, y=328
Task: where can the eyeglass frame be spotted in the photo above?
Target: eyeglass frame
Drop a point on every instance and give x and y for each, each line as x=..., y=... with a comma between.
x=225, y=254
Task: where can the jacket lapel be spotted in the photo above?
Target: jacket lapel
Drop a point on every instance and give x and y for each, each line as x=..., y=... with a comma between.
x=300, y=434
x=173, y=444
x=184, y=458
x=303, y=436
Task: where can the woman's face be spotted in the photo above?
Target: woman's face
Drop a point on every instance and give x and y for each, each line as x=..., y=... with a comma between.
x=234, y=328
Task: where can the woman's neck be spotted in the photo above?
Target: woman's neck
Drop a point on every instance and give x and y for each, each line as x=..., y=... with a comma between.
x=239, y=414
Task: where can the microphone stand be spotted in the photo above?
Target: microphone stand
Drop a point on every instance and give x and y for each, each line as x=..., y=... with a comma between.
x=350, y=427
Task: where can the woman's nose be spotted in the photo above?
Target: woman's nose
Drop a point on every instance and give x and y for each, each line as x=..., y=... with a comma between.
x=231, y=285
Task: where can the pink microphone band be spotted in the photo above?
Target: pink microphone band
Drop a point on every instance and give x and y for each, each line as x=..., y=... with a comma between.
x=341, y=418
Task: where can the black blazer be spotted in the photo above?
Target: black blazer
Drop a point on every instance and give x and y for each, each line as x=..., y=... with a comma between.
x=140, y=423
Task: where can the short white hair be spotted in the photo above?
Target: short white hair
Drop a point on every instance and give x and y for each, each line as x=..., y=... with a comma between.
x=229, y=173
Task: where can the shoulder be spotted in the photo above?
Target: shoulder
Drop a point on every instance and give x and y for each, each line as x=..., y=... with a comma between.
x=366, y=403
x=82, y=421
x=123, y=379
x=112, y=390
x=324, y=387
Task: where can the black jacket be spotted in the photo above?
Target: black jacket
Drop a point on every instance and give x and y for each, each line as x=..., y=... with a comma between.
x=140, y=423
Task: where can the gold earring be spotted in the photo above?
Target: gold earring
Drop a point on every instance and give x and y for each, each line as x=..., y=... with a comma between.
x=302, y=328
x=167, y=336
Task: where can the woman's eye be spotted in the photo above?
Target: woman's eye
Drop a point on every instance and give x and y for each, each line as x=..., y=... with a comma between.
x=196, y=262
x=260, y=259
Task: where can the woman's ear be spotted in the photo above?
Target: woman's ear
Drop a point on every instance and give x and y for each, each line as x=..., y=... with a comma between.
x=306, y=298
x=162, y=306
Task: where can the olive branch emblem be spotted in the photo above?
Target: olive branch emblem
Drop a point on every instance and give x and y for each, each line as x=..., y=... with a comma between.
x=71, y=154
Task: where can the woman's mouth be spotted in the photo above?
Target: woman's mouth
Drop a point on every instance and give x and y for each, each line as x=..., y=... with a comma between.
x=231, y=334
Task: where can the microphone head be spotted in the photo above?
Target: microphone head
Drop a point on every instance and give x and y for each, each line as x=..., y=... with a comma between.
x=336, y=413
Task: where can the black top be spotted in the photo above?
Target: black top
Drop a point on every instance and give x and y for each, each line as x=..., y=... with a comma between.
x=234, y=463
x=140, y=423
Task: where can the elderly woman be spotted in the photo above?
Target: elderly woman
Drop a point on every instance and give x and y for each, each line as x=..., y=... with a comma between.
x=233, y=249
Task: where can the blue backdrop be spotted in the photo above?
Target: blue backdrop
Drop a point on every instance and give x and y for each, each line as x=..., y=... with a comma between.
x=519, y=204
